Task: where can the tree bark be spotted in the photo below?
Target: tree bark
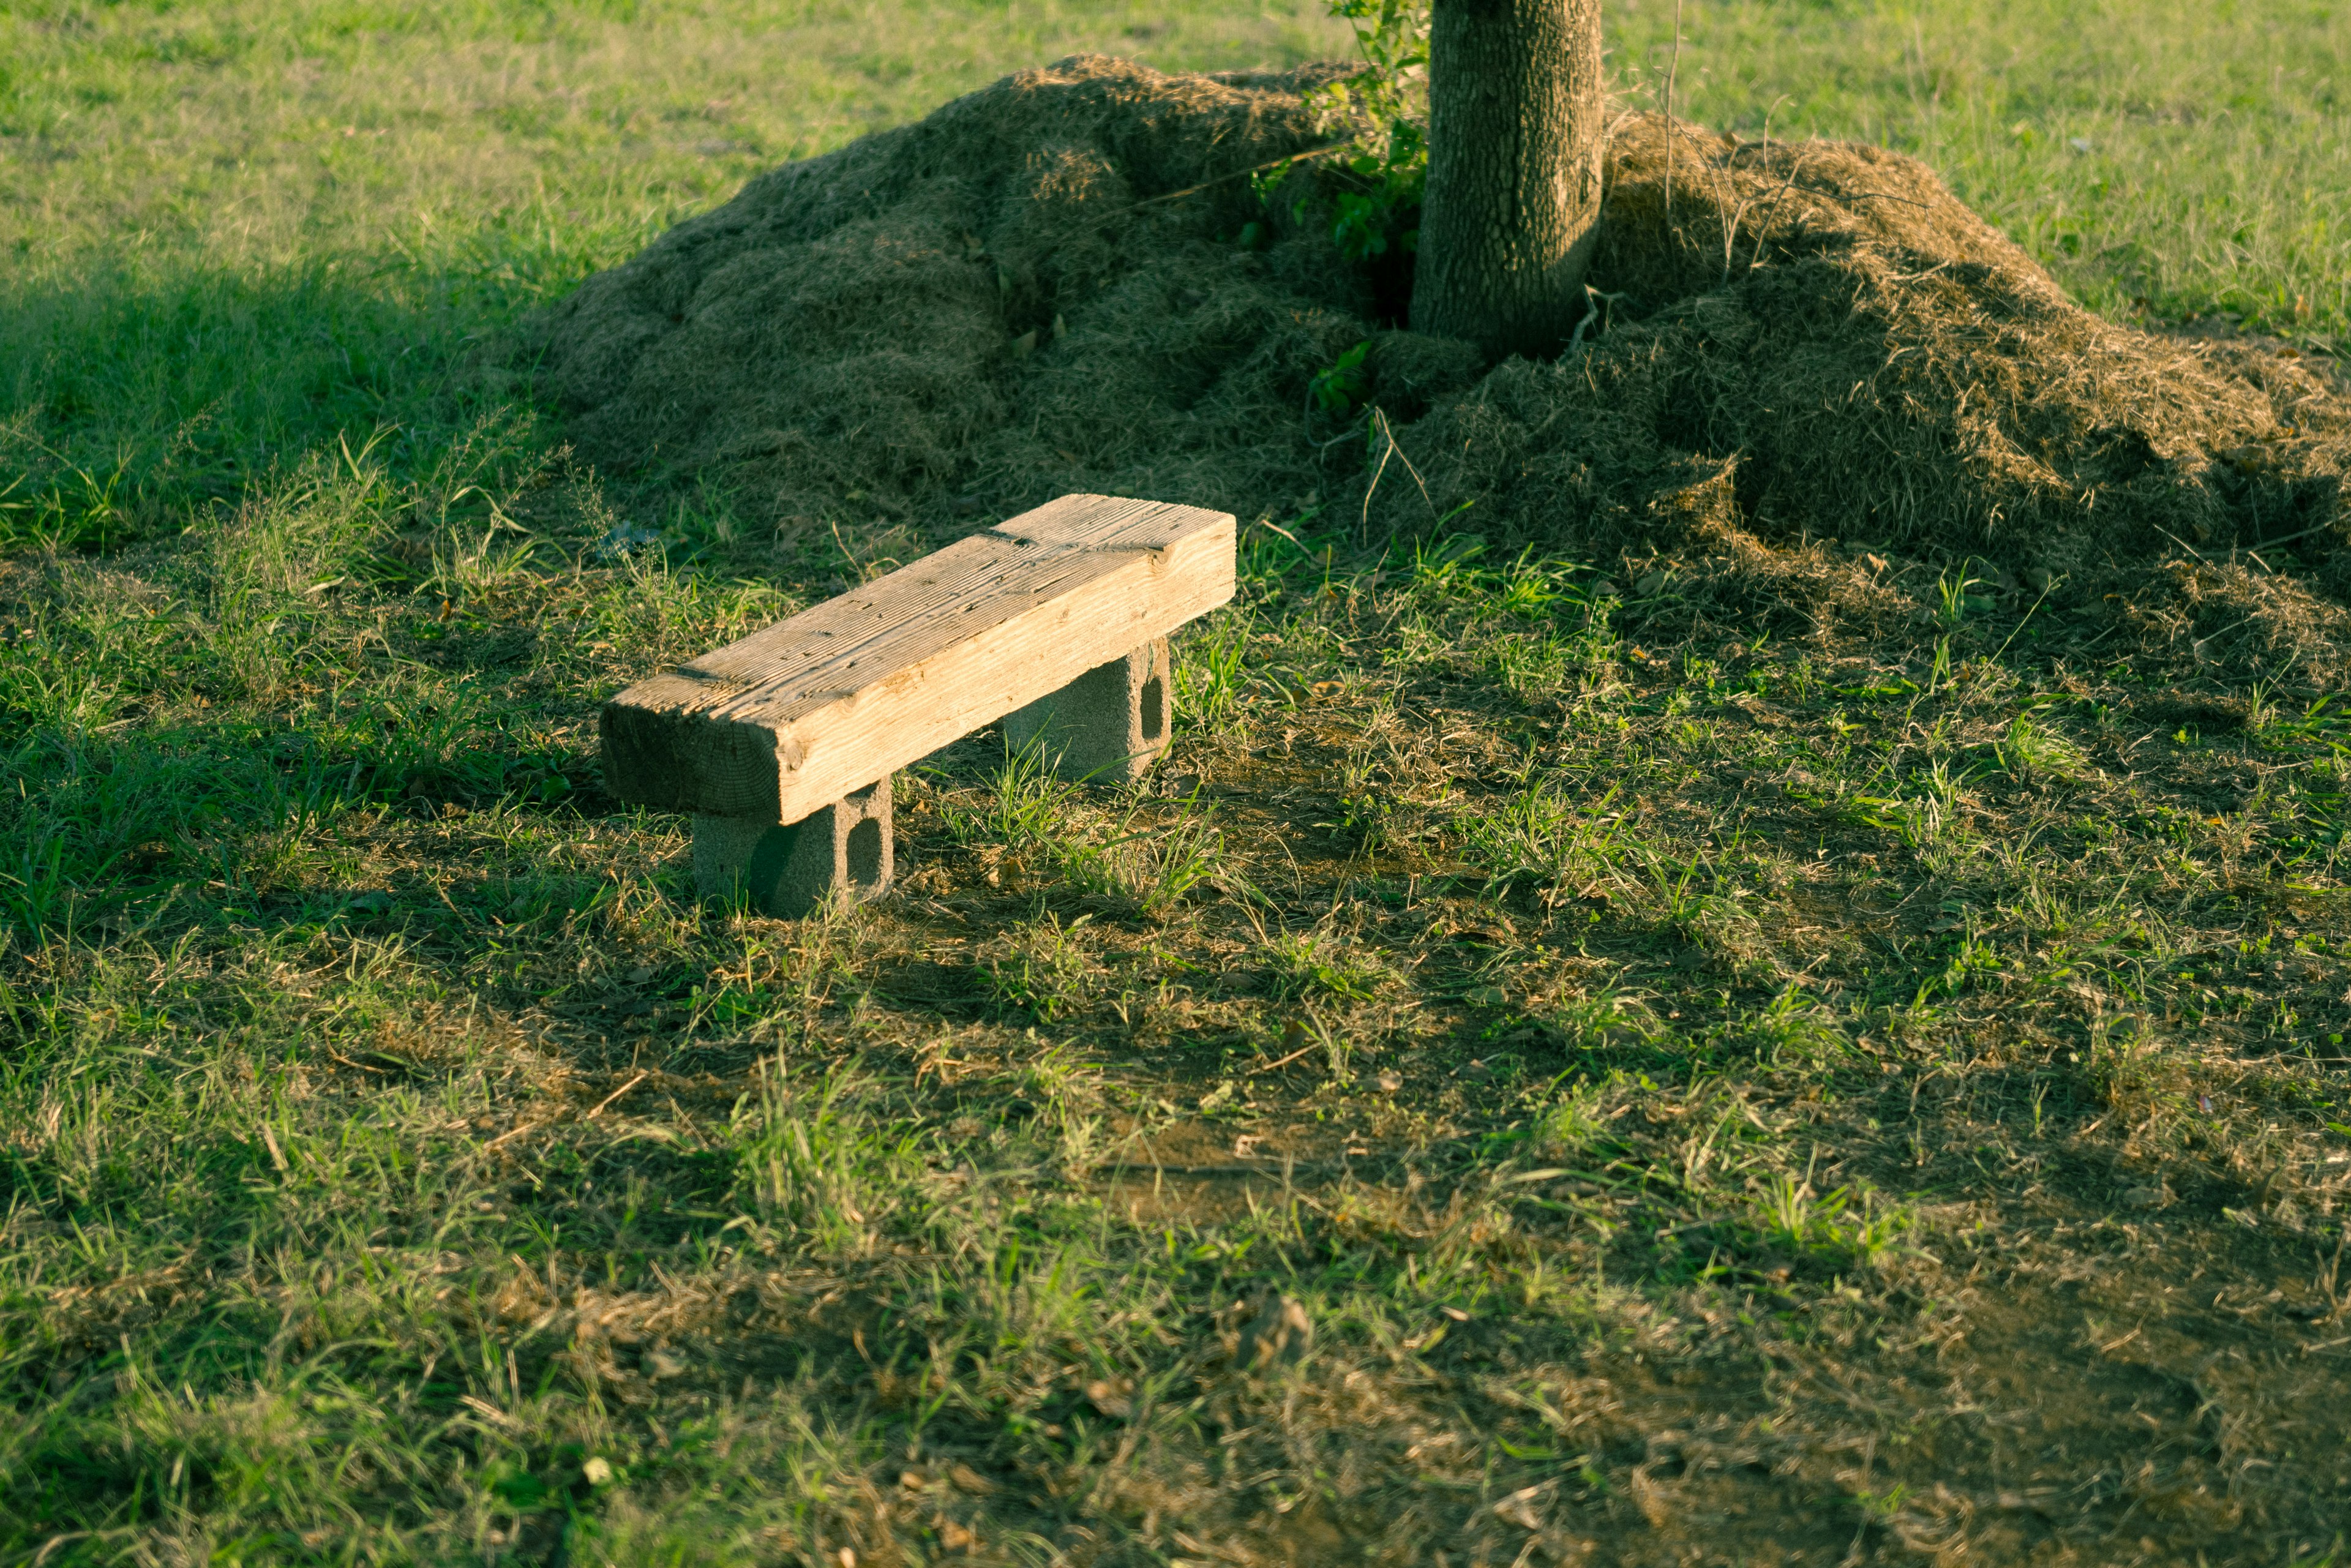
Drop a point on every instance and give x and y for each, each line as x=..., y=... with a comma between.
x=1514, y=145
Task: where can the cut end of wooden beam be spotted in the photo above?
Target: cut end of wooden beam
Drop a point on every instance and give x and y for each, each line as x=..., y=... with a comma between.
x=793, y=717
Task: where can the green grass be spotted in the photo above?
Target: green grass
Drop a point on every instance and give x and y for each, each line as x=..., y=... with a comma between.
x=2168, y=161
x=1715, y=1097
x=234, y=230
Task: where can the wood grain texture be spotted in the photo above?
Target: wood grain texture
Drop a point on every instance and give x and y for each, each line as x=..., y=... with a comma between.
x=791, y=719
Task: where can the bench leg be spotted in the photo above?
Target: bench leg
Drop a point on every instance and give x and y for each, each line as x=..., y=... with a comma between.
x=1109, y=724
x=788, y=869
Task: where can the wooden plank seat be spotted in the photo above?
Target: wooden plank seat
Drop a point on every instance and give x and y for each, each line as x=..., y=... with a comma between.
x=781, y=744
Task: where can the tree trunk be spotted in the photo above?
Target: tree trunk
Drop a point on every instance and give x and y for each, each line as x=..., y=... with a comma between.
x=1514, y=144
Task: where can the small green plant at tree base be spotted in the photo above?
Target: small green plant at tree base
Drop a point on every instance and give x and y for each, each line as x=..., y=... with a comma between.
x=1387, y=172
x=1383, y=175
x=1342, y=386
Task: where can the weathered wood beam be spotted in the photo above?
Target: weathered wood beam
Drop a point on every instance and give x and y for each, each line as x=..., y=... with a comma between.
x=793, y=718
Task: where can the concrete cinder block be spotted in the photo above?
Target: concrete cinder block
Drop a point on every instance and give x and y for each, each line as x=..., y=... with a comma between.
x=788, y=869
x=1106, y=727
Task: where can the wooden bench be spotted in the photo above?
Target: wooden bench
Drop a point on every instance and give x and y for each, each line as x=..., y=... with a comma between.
x=782, y=744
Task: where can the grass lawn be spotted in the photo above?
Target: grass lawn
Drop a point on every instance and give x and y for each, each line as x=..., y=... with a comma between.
x=1501, y=1093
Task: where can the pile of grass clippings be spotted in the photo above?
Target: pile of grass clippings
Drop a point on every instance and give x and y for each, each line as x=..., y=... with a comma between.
x=1806, y=359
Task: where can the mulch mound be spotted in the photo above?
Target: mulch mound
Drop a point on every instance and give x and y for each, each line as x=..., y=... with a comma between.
x=1810, y=368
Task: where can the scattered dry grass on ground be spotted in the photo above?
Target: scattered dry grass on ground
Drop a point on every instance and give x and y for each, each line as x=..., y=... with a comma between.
x=1713, y=1096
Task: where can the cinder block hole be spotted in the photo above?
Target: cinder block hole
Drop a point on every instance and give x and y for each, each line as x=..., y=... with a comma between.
x=865, y=853
x=1154, y=709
